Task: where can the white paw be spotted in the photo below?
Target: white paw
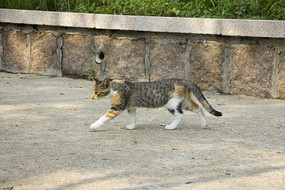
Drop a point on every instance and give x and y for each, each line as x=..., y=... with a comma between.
x=130, y=126
x=204, y=124
x=95, y=126
x=170, y=127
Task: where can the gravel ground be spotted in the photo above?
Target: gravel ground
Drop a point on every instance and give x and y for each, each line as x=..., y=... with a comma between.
x=46, y=142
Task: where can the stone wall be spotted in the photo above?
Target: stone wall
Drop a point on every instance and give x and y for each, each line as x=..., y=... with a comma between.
x=227, y=64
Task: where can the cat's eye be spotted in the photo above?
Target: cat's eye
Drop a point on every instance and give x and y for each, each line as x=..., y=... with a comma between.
x=99, y=93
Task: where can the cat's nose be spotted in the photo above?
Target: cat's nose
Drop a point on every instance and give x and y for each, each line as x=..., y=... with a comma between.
x=94, y=96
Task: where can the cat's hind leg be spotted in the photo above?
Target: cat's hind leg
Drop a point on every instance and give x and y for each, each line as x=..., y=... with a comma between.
x=191, y=104
x=201, y=116
x=132, y=116
x=106, y=117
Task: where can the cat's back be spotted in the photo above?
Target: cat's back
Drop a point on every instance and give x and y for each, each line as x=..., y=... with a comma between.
x=151, y=94
x=154, y=87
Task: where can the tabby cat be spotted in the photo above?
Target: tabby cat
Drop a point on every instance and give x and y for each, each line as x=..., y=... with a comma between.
x=174, y=94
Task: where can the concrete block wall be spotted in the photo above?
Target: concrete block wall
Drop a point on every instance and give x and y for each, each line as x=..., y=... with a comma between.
x=217, y=60
x=27, y=51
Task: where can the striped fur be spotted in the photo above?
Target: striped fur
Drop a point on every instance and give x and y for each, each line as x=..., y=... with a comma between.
x=174, y=94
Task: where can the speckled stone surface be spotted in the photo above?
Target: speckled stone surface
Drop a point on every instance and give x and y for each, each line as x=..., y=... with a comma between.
x=206, y=60
x=43, y=54
x=281, y=78
x=123, y=58
x=15, y=52
x=251, y=70
x=166, y=59
x=78, y=53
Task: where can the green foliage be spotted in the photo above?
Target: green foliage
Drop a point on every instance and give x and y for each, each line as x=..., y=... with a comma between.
x=242, y=9
x=91, y=72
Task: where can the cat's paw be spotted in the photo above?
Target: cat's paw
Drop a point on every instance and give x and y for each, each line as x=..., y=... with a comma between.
x=95, y=126
x=170, y=127
x=130, y=126
x=204, y=124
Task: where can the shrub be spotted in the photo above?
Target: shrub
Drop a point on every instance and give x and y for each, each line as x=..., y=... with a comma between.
x=241, y=9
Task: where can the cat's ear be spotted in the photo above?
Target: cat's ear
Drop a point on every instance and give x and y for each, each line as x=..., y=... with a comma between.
x=96, y=80
x=107, y=81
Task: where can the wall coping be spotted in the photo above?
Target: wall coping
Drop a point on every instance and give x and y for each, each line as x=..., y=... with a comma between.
x=224, y=27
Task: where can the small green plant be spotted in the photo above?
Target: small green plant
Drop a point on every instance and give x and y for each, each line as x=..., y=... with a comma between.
x=91, y=72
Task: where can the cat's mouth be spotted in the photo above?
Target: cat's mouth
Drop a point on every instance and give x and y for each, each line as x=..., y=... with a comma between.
x=94, y=96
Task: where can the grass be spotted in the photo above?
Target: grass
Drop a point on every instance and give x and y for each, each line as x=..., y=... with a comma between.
x=234, y=9
x=91, y=72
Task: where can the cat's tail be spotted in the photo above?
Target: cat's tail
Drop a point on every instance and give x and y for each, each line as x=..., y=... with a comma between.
x=201, y=98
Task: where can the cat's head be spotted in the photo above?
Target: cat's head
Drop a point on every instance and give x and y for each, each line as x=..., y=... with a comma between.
x=101, y=88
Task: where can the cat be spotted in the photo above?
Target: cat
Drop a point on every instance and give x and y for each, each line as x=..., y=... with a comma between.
x=174, y=94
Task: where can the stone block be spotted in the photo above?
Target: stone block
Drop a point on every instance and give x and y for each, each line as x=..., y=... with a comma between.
x=226, y=27
x=166, y=59
x=47, y=18
x=15, y=52
x=78, y=53
x=281, y=78
x=1, y=50
x=206, y=60
x=44, y=58
x=124, y=58
x=251, y=70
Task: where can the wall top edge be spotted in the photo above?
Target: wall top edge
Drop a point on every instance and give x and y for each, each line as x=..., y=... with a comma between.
x=210, y=26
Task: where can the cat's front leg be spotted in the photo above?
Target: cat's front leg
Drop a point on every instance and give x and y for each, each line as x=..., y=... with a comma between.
x=106, y=117
x=98, y=123
x=132, y=116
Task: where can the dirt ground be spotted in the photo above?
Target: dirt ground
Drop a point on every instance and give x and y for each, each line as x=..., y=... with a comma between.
x=46, y=142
